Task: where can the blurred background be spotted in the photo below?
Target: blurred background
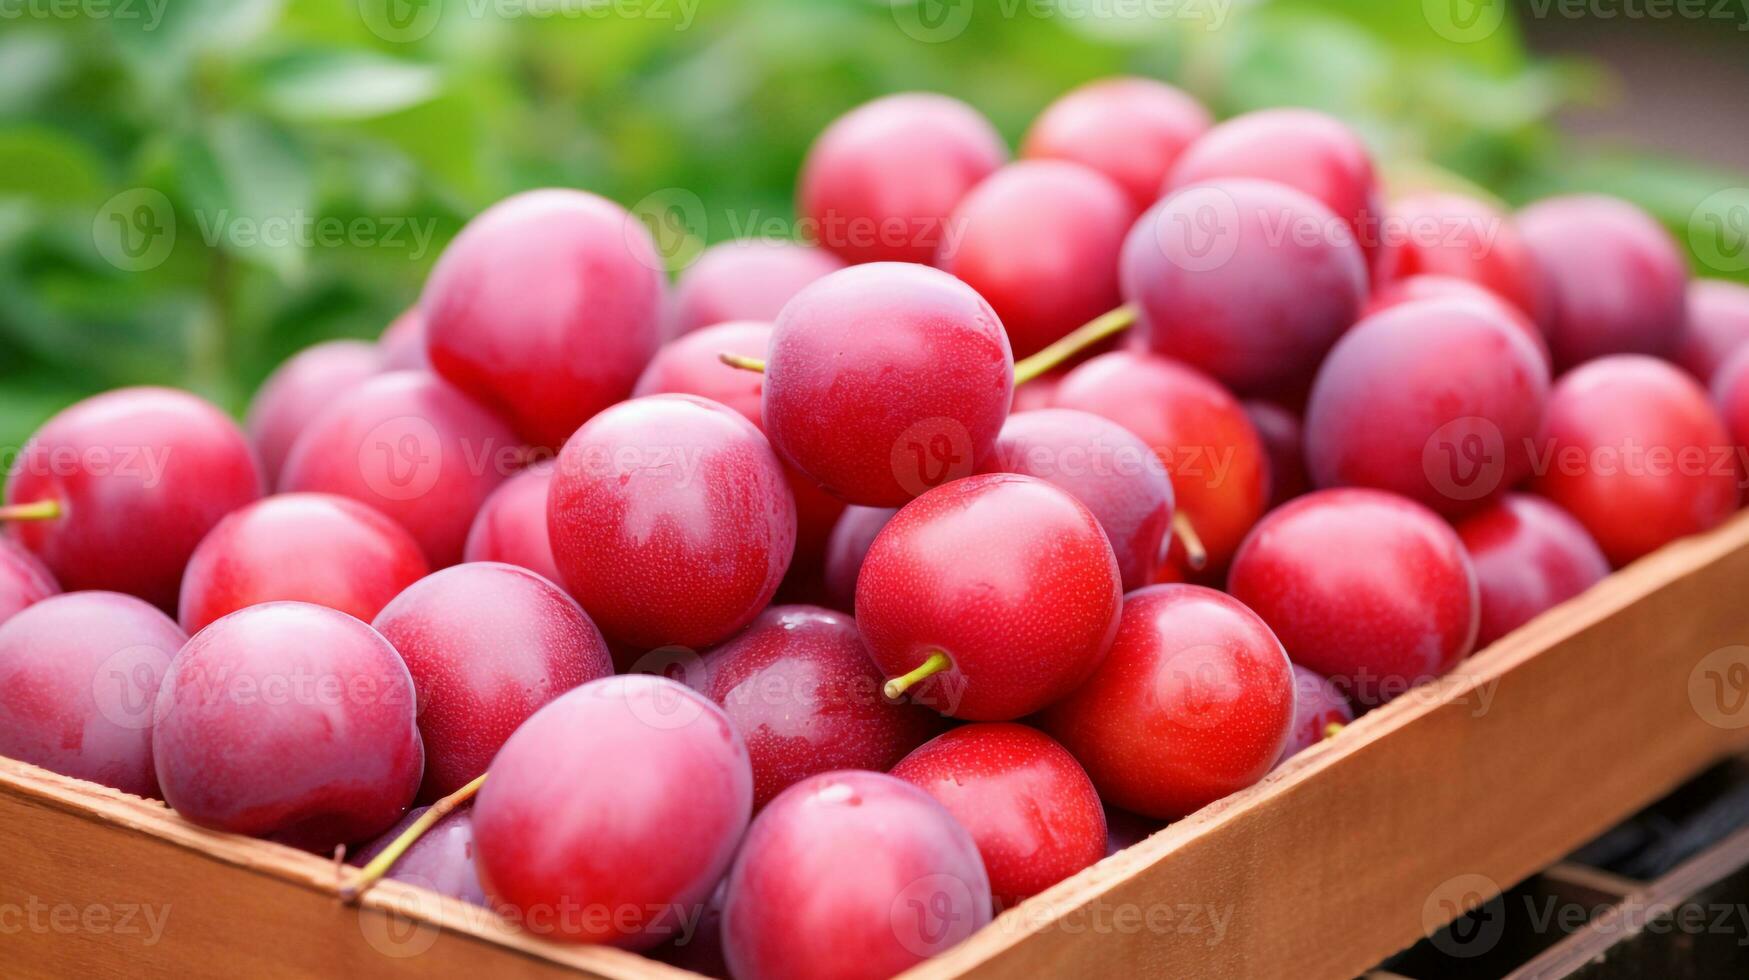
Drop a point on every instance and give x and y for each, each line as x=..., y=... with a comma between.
x=191, y=190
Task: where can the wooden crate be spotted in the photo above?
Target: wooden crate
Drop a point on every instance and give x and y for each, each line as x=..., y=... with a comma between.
x=1350, y=852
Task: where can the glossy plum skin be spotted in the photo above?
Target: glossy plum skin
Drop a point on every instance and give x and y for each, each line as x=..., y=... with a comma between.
x=1308, y=151
x=511, y=526
x=1444, y=234
x=25, y=580
x=671, y=521
x=799, y=687
x=851, y=876
x=1616, y=278
x=413, y=447
x=289, y=721
x=1106, y=467
x=1218, y=466
x=1008, y=575
x=1364, y=587
x=545, y=308
x=1439, y=401
x=487, y=645
x=851, y=538
x=402, y=344
x=1240, y=299
x=1636, y=453
x=301, y=389
x=1283, y=436
x=749, y=279
x=1194, y=703
x=1717, y=326
x=628, y=795
x=302, y=547
x=1317, y=706
x=142, y=474
x=442, y=860
x=1026, y=801
x=1130, y=129
x=880, y=181
x=1730, y=391
x=78, y=674
x=1530, y=556
x=1430, y=287
x=1040, y=240
x=885, y=380
x=689, y=366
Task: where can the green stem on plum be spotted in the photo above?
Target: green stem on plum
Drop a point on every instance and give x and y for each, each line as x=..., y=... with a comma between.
x=40, y=510
x=1077, y=340
x=742, y=361
x=383, y=863
x=936, y=663
x=1331, y=729
x=1194, y=552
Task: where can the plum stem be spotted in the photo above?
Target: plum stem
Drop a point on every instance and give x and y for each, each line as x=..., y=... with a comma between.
x=742, y=361
x=1331, y=729
x=1074, y=342
x=40, y=510
x=383, y=863
x=936, y=663
x=1194, y=552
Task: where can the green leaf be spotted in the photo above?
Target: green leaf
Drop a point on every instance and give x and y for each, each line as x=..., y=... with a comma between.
x=249, y=187
x=47, y=167
x=344, y=85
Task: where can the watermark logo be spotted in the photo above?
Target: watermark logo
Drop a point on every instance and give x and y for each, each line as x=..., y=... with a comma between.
x=405, y=928
x=1465, y=459
x=125, y=686
x=1464, y=21
x=674, y=221
x=401, y=21
x=1718, y=688
x=135, y=230
x=930, y=453
x=1475, y=911
x=932, y=21
x=1718, y=230
x=932, y=913
x=1200, y=230
x=401, y=458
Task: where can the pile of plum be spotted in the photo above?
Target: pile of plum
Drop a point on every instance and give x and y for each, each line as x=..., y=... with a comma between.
x=790, y=619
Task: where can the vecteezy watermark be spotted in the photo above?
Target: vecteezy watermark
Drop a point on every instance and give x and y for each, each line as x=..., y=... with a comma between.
x=300, y=229
x=1203, y=227
x=142, y=921
x=148, y=14
x=1468, y=915
x=143, y=464
x=1102, y=917
x=407, y=21
x=136, y=230
x=1718, y=688
x=939, y=21
x=678, y=223
x=1470, y=21
x=1718, y=229
x=1469, y=458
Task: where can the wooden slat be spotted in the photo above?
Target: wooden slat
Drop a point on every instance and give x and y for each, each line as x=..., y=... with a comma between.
x=1350, y=852
x=97, y=883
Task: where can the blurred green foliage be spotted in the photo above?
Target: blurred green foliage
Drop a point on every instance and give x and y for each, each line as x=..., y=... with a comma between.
x=191, y=190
